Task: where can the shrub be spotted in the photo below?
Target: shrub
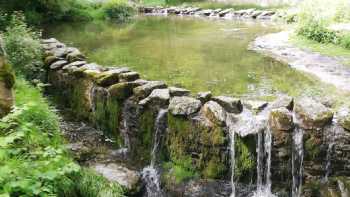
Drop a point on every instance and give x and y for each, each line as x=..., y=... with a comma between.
x=23, y=48
x=118, y=10
x=33, y=159
x=317, y=32
x=345, y=41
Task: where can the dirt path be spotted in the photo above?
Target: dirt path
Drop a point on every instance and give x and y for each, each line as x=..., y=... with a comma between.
x=328, y=69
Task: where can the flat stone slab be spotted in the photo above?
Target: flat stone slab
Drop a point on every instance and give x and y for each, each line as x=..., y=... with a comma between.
x=119, y=174
x=184, y=105
x=328, y=69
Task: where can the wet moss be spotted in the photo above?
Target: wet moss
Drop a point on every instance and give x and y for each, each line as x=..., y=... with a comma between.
x=178, y=171
x=145, y=135
x=204, y=145
x=107, y=113
x=7, y=76
x=245, y=157
x=80, y=99
x=312, y=147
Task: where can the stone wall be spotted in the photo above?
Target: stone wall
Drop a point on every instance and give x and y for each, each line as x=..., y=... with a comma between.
x=196, y=136
x=261, y=2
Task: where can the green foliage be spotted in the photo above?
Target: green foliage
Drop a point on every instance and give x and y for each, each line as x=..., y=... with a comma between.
x=179, y=171
x=318, y=32
x=245, y=160
x=345, y=41
x=23, y=48
x=38, y=11
x=119, y=10
x=33, y=160
x=89, y=184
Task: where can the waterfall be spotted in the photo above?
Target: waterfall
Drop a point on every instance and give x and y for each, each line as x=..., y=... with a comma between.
x=343, y=191
x=264, y=164
x=297, y=161
x=151, y=174
x=231, y=130
x=331, y=142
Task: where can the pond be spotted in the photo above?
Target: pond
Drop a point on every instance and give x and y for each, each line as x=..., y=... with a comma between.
x=198, y=54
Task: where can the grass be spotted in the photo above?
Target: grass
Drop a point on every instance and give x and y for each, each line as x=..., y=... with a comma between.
x=324, y=49
x=33, y=157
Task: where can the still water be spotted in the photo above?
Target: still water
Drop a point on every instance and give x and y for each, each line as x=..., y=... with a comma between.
x=198, y=54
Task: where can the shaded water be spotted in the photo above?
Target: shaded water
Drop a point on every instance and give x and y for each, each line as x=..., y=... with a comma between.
x=198, y=54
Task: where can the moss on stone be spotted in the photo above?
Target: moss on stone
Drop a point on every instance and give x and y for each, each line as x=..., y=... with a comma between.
x=7, y=76
x=214, y=170
x=205, y=145
x=121, y=90
x=145, y=135
x=107, y=113
x=312, y=147
x=245, y=157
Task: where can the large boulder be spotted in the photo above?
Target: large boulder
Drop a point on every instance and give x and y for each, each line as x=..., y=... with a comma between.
x=144, y=90
x=281, y=119
x=231, y=105
x=343, y=117
x=129, y=179
x=157, y=97
x=184, y=105
x=312, y=115
x=214, y=112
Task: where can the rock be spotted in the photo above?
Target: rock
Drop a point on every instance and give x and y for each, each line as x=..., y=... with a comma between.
x=58, y=52
x=51, y=59
x=282, y=101
x=128, y=76
x=231, y=105
x=224, y=12
x=122, y=90
x=174, y=91
x=157, y=97
x=281, y=119
x=48, y=41
x=144, y=90
x=127, y=178
x=184, y=105
x=343, y=117
x=74, y=64
x=111, y=77
x=257, y=106
x=214, y=112
x=80, y=151
x=75, y=55
x=58, y=64
x=312, y=115
x=204, y=96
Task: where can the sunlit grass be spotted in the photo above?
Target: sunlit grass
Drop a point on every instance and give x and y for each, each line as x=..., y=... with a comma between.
x=324, y=49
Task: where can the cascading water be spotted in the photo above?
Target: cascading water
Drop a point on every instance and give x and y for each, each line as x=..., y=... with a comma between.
x=331, y=142
x=151, y=174
x=264, y=164
x=343, y=191
x=297, y=161
x=231, y=130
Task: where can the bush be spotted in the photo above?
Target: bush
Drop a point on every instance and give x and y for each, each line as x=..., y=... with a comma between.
x=33, y=159
x=118, y=10
x=345, y=41
x=318, y=32
x=23, y=48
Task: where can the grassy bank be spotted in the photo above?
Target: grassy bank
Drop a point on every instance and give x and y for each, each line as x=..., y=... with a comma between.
x=33, y=157
x=42, y=11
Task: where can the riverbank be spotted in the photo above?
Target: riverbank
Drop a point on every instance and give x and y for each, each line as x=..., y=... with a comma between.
x=328, y=69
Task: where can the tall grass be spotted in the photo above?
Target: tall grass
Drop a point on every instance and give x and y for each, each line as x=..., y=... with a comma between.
x=315, y=17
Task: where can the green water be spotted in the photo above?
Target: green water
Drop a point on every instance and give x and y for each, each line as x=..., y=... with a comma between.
x=198, y=54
